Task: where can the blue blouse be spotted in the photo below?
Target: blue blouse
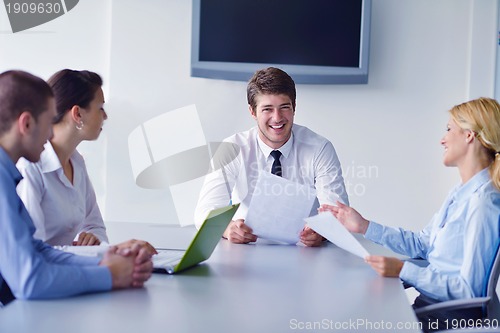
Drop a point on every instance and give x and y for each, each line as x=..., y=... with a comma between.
x=459, y=242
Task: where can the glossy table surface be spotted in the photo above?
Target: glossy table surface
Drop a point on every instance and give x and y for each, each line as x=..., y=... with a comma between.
x=241, y=288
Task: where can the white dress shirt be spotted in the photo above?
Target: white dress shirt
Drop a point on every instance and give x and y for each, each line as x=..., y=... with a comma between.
x=459, y=242
x=60, y=210
x=307, y=158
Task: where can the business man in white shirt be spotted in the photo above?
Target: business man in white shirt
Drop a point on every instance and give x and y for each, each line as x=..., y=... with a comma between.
x=277, y=145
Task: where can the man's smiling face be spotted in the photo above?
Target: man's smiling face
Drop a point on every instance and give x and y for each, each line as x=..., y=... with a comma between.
x=274, y=115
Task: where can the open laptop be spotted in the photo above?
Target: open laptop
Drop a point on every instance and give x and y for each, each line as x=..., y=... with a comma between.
x=201, y=247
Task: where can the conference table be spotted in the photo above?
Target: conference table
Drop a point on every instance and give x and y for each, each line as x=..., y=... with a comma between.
x=260, y=287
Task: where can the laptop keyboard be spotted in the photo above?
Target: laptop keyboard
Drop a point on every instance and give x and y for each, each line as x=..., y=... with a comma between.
x=167, y=257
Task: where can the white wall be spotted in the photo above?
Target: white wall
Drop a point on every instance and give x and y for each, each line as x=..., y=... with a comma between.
x=80, y=39
x=424, y=59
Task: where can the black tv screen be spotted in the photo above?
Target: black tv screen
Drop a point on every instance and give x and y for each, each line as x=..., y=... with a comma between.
x=315, y=41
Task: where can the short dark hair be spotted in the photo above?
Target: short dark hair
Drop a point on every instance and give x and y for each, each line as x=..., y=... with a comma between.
x=72, y=88
x=21, y=92
x=270, y=81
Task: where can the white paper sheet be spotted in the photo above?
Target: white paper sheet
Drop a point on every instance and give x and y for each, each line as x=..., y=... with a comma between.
x=89, y=251
x=278, y=208
x=329, y=227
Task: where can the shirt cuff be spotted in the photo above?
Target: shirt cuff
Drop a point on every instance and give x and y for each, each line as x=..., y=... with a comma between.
x=99, y=278
x=374, y=232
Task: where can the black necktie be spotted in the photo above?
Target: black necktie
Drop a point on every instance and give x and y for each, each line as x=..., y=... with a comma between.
x=5, y=293
x=276, y=168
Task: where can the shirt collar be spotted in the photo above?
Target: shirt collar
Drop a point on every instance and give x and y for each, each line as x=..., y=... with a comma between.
x=285, y=149
x=49, y=161
x=9, y=165
x=464, y=191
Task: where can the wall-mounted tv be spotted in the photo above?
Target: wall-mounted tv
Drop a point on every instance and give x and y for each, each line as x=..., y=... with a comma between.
x=315, y=41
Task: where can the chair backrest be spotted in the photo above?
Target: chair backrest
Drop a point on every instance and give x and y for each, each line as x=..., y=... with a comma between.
x=493, y=306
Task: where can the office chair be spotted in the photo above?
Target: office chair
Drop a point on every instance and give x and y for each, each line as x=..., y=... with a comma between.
x=489, y=302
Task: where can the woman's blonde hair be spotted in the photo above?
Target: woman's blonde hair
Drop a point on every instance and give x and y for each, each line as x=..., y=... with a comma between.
x=482, y=116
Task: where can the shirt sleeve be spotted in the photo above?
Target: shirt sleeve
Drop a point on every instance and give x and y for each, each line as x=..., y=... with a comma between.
x=427, y=280
x=399, y=240
x=328, y=176
x=218, y=185
x=435, y=284
x=33, y=269
x=31, y=190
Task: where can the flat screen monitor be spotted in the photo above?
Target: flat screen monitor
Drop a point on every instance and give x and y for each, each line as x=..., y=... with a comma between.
x=315, y=41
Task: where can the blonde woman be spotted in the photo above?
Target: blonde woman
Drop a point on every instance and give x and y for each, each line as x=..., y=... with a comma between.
x=460, y=241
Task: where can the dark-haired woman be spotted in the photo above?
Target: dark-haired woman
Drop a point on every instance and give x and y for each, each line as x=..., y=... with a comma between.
x=57, y=191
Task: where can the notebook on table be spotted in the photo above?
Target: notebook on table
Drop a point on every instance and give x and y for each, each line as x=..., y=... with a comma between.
x=201, y=247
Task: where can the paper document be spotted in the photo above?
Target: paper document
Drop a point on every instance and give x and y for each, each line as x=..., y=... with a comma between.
x=329, y=227
x=278, y=208
x=89, y=251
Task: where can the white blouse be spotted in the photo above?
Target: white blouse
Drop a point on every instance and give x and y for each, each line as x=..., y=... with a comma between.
x=60, y=210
